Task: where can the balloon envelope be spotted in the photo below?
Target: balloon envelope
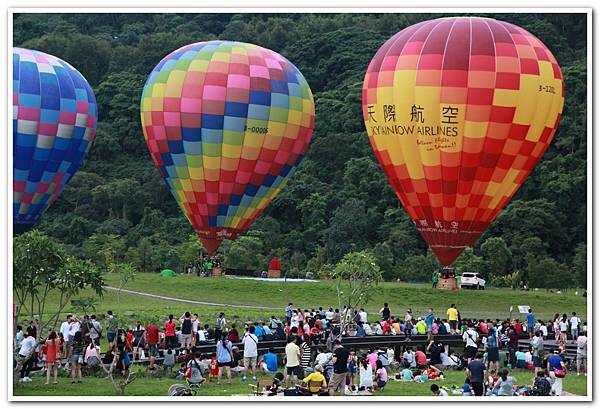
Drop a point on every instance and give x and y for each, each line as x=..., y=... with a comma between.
x=226, y=124
x=54, y=124
x=458, y=112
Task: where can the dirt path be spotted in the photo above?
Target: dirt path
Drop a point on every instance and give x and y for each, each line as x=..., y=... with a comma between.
x=165, y=298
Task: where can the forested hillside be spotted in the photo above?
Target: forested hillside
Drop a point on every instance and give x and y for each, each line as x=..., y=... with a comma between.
x=339, y=200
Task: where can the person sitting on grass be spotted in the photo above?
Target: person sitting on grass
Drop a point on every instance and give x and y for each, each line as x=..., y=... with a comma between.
x=406, y=375
x=541, y=384
x=466, y=388
x=504, y=384
x=92, y=356
x=268, y=362
x=180, y=374
x=437, y=391
x=314, y=383
x=520, y=356
x=366, y=375
x=381, y=376
x=193, y=372
x=273, y=390
x=168, y=361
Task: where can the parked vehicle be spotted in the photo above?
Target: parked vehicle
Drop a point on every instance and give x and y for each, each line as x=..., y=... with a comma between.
x=472, y=280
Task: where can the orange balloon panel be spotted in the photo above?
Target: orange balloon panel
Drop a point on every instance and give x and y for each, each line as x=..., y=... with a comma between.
x=459, y=111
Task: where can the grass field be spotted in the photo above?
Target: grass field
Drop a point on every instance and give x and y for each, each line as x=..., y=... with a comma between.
x=146, y=386
x=489, y=303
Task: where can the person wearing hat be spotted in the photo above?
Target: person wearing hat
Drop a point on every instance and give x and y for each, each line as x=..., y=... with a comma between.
x=315, y=378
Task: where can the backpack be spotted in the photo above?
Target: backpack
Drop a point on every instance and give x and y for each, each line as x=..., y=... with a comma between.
x=541, y=387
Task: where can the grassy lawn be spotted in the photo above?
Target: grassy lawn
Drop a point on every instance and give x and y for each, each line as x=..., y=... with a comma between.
x=489, y=303
x=142, y=386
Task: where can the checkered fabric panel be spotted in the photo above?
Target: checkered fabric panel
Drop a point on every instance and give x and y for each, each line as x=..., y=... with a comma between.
x=226, y=124
x=459, y=111
x=54, y=124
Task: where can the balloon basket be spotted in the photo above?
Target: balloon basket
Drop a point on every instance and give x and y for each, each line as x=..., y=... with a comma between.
x=274, y=273
x=447, y=284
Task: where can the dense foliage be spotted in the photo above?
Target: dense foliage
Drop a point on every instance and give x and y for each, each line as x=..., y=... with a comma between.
x=118, y=210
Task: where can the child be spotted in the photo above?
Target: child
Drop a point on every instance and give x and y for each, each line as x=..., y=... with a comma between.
x=407, y=374
x=214, y=367
x=181, y=372
x=352, y=368
x=169, y=360
x=492, y=378
x=420, y=377
x=466, y=388
x=274, y=388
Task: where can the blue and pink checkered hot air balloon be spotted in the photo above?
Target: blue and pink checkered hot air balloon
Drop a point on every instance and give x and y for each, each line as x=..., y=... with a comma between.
x=54, y=124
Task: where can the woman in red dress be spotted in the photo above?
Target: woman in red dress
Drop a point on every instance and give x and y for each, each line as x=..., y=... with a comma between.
x=52, y=356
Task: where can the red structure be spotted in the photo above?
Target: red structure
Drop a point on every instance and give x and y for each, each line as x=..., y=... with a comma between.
x=274, y=268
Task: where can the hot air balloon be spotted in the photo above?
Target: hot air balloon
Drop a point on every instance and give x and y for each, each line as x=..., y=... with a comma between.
x=458, y=112
x=226, y=123
x=54, y=124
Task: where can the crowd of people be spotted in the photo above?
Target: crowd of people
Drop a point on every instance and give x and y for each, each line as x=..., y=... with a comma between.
x=315, y=360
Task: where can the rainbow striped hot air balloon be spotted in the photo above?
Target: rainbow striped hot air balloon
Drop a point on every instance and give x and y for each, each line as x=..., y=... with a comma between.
x=226, y=124
x=54, y=124
x=459, y=111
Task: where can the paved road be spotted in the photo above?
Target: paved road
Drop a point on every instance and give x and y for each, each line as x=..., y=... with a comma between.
x=165, y=298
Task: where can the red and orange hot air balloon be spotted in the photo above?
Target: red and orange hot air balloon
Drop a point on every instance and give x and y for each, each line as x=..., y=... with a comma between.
x=459, y=111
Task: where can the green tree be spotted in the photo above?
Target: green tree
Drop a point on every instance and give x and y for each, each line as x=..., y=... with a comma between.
x=580, y=264
x=469, y=261
x=356, y=276
x=497, y=258
x=125, y=272
x=41, y=267
x=545, y=272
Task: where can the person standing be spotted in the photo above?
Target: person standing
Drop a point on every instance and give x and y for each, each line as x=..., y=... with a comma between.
x=224, y=357
x=530, y=323
x=292, y=365
x=78, y=346
x=186, y=330
x=470, y=338
x=111, y=329
x=513, y=346
x=220, y=325
x=170, y=337
x=195, y=325
x=250, y=342
x=306, y=353
x=385, y=312
x=52, y=357
x=563, y=326
x=537, y=349
x=152, y=340
x=477, y=374
x=429, y=319
x=288, y=313
x=492, y=349
x=95, y=330
x=452, y=314
x=340, y=368
x=575, y=322
x=556, y=369
x=582, y=353
x=26, y=356
x=434, y=279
